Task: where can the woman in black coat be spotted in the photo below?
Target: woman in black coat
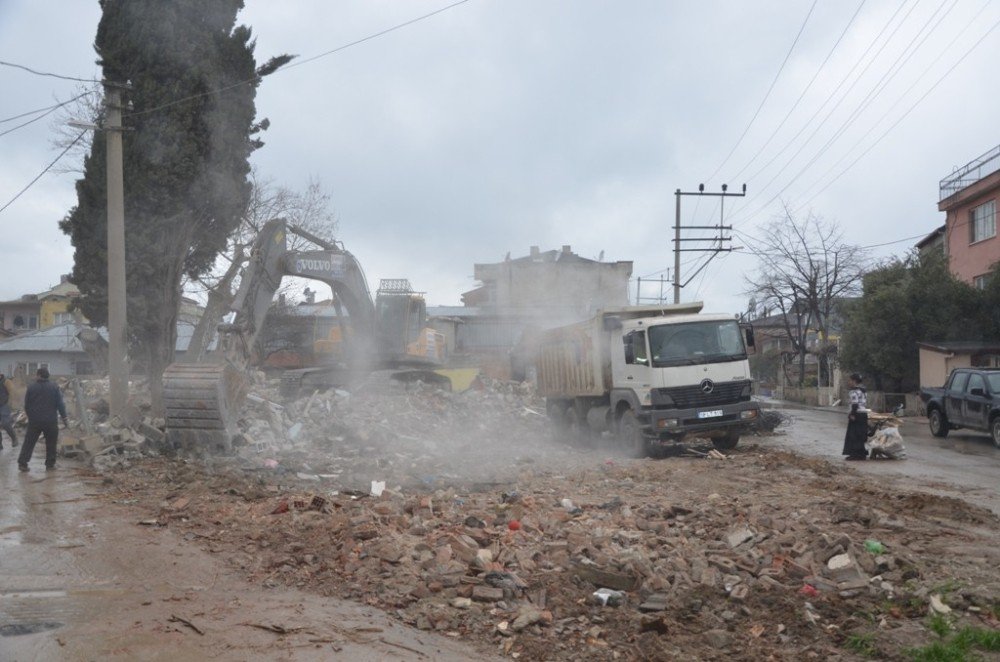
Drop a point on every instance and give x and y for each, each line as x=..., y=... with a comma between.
x=857, y=421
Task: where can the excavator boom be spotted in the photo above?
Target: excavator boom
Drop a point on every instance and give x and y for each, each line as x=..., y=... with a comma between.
x=203, y=399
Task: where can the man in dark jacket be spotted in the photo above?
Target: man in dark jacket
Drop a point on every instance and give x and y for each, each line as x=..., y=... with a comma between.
x=42, y=402
x=6, y=420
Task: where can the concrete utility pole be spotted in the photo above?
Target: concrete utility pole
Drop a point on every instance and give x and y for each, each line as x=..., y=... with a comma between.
x=118, y=371
x=720, y=227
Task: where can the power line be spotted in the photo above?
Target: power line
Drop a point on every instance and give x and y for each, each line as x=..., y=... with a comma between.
x=911, y=109
x=40, y=110
x=876, y=90
x=48, y=112
x=768, y=93
x=802, y=95
x=47, y=168
x=822, y=106
x=945, y=51
x=289, y=66
x=377, y=34
x=45, y=73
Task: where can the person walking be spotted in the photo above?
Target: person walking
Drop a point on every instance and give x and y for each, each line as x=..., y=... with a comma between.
x=857, y=421
x=6, y=420
x=42, y=402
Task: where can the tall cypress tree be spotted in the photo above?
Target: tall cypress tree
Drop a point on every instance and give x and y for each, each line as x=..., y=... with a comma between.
x=191, y=79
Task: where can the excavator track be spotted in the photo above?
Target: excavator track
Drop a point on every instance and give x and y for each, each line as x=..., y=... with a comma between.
x=202, y=404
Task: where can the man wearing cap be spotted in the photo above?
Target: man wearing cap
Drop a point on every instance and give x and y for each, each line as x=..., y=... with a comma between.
x=42, y=402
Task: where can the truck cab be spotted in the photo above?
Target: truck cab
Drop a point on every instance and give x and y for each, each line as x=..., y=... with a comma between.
x=683, y=374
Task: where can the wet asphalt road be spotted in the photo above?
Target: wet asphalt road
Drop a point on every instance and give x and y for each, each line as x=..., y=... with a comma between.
x=81, y=579
x=964, y=464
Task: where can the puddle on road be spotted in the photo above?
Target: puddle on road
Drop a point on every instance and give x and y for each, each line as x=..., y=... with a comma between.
x=17, y=629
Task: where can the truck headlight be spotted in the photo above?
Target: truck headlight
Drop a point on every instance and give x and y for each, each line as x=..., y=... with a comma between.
x=666, y=423
x=749, y=414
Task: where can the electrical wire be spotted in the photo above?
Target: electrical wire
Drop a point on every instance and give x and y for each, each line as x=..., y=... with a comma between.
x=802, y=95
x=47, y=168
x=49, y=111
x=947, y=49
x=45, y=73
x=829, y=114
x=767, y=94
x=376, y=35
x=47, y=108
x=901, y=60
x=739, y=210
x=295, y=64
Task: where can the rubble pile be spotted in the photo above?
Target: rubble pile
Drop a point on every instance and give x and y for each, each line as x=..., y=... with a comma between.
x=766, y=554
x=410, y=435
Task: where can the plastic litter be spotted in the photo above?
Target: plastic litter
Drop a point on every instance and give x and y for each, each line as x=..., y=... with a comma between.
x=607, y=597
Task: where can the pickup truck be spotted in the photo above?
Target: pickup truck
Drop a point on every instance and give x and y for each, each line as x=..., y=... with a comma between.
x=970, y=399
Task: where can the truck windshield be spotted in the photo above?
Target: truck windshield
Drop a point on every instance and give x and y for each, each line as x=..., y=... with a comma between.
x=994, y=379
x=696, y=342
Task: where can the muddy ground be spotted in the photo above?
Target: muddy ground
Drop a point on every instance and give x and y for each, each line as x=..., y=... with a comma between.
x=491, y=533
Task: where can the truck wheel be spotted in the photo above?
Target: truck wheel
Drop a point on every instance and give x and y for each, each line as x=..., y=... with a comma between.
x=557, y=421
x=630, y=435
x=938, y=423
x=995, y=430
x=728, y=442
x=576, y=428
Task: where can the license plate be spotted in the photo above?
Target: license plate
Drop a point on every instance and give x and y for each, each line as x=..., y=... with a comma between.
x=710, y=414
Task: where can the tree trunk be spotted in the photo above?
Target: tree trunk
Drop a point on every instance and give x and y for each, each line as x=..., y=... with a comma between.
x=220, y=298
x=802, y=366
x=163, y=339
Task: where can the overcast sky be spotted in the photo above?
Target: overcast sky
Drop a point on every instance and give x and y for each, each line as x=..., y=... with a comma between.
x=501, y=124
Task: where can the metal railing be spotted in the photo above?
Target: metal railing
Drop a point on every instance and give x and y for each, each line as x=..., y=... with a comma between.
x=970, y=173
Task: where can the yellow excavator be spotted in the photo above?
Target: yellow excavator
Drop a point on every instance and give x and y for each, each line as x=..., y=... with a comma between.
x=203, y=399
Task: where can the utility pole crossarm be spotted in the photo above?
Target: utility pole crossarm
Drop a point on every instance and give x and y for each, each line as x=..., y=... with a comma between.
x=718, y=228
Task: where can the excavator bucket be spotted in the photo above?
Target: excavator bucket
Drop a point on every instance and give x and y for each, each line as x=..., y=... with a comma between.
x=202, y=404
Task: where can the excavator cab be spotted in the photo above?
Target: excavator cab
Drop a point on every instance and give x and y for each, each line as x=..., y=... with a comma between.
x=401, y=326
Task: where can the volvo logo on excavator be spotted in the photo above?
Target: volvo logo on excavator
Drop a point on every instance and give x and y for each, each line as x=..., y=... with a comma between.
x=318, y=262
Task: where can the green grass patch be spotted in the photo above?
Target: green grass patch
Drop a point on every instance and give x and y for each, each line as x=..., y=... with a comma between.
x=964, y=645
x=987, y=640
x=939, y=625
x=862, y=644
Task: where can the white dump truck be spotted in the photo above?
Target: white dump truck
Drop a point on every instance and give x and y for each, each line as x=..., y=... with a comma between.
x=650, y=375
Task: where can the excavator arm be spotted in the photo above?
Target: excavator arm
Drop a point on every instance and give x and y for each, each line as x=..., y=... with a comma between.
x=203, y=400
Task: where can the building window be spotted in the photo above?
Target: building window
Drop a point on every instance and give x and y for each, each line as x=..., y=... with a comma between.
x=983, y=222
x=62, y=318
x=979, y=282
x=32, y=321
x=31, y=367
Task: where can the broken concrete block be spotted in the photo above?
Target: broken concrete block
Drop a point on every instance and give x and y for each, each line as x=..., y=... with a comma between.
x=738, y=537
x=487, y=594
x=605, y=579
x=739, y=593
x=525, y=617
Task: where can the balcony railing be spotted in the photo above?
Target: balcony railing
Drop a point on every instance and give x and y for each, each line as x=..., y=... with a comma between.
x=970, y=173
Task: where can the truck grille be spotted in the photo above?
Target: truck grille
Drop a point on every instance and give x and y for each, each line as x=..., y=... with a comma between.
x=687, y=397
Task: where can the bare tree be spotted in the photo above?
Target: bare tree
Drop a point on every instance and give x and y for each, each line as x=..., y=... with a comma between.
x=86, y=105
x=805, y=269
x=309, y=209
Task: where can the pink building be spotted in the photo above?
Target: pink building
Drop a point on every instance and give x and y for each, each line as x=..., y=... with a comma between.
x=969, y=199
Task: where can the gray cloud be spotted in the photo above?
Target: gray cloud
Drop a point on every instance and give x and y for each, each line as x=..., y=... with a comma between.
x=498, y=125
